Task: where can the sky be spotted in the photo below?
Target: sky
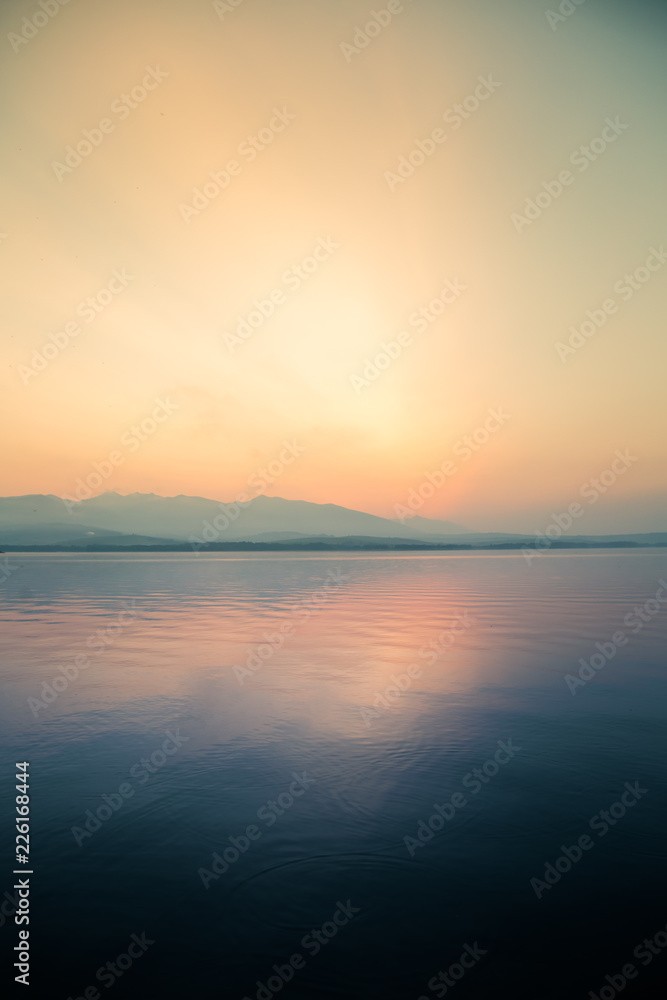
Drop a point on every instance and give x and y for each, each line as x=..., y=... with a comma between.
x=435, y=241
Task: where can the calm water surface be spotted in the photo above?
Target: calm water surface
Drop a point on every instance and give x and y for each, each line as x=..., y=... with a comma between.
x=208, y=685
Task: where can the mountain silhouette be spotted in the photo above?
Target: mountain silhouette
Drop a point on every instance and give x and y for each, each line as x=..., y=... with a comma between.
x=48, y=519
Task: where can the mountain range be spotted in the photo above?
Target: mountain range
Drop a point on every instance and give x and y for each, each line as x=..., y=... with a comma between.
x=50, y=520
x=111, y=520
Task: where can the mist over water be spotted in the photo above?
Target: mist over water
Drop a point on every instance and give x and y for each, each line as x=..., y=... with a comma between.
x=300, y=716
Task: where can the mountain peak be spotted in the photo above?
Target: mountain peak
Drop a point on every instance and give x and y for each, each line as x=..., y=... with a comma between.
x=185, y=518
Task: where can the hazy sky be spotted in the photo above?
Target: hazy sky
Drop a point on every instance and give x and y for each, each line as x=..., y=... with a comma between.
x=305, y=115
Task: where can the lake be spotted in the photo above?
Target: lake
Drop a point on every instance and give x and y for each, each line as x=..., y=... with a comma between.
x=340, y=775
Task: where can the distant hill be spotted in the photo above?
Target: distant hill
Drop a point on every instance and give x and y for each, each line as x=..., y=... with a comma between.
x=73, y=536
x=418, y=525
x=52, y=533
x=145, y=519
x=183, y=518
x=324, y=543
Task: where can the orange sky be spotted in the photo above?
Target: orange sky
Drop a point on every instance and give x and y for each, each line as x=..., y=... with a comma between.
x=315, y=215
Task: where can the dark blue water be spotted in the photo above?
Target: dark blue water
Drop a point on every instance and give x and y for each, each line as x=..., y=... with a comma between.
x=273, y=735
